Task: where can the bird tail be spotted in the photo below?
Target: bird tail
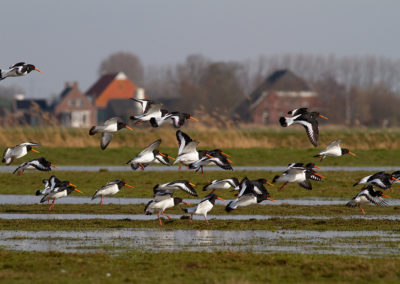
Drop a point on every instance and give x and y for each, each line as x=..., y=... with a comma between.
x=92, y=130
x=231, y=206
x=351, y=203
x=38, y=192
x=357, y=183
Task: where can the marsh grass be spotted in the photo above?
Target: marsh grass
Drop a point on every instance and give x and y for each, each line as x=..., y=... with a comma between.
x=194, y=267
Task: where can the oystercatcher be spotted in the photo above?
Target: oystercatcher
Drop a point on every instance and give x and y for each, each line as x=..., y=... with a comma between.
x=51, y=183
x=150, y=110
x=171, y=187
x=380, y=179
x=161, y=201
x=249, y=194
x=58, y=192
x=204, y=206
x=18, y=69
x=149, y=155
x=18, y=151
x=110, y=188
x=177, y=118
x=207, y=157
x=40, y=164
x=305, y=118
x=367, y=195
x=222, y=184
x=333, y=150
x=297, y=173
x=107, y=130
x=187, y=152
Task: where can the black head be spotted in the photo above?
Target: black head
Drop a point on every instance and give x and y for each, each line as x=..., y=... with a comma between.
x=70, y=189
x=235, y=181
x=211, y=197
x=396, y=174
x=121, y=125
x=120, y=183
x=44, y=162
x=29, y=68
x=177, y=200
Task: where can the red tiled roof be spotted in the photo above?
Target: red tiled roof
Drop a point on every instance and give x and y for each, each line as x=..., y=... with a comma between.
x=97, y=88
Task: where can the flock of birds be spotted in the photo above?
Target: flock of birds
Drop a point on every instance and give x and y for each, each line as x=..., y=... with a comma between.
x=249, y=192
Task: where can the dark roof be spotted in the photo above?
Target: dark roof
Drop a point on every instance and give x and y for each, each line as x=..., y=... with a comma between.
x=280, y=80
x=65, y=92
x=26, y=104
x=97, y=88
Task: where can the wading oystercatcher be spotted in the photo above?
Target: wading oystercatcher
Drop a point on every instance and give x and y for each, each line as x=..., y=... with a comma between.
x=204, y=206
x=367, y=195
x=110, y=188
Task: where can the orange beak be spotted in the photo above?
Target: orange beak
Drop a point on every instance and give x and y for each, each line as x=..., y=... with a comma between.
x=387, y=196
x=163, y=154
x=192, y=184
x=352, y=153
x=126, y=126
x=393, y=178
x=318, y=175
x=324, y=117
x=271, y=199
x=267, y=182
x=171, y=157
x=225, y=154
x=316, y=167
x=210, y=156
x=192, y=118
x=230, y=161
x=53, y=166
x=71, y=184
x=128, y=185
x=78, y=190
x=36, y=151
x=184, y=202
x=220, y=198
x=38, y=70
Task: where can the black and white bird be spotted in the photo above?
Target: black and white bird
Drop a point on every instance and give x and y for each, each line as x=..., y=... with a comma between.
x=334, y=150
x=300, y=174
x=148, y=156
x=110, y=188
x=209, y=157
x=380, y=179
x=171, y=187
x=18, y=69
x=51, y=183
x=161, y=201
x=307, y=119
x=59, y=191
x=150, y=109
x=249, y=194
x=187, y=152
x=223, y=184
x=176, y=118
x=18, y=151
x=204, y=206
x=107, y=130
x=40, y=164
x=368, y=195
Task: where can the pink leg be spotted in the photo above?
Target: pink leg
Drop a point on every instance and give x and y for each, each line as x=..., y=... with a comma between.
x=281, y=188
x=166, y=215
x=101, y=201
x=190, y=220
x=180, y=167
x=205, y=218
x=159, y=218
x=202, y=173
x=52, y=205
x=140, y=165
x=362, y=210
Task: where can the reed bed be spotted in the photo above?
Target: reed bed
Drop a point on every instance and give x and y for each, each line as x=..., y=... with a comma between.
x=243, y=136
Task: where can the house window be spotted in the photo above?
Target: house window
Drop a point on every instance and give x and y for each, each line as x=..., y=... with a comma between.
x=78, y=102
x=71, y=102
x=265, y=117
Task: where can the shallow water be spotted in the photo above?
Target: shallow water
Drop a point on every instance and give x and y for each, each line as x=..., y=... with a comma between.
x=376, y=243
x=32, y=199
x=10, y=169
x=141, y=217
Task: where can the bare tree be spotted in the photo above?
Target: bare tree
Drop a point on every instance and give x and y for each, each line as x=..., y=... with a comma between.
x=126, y=62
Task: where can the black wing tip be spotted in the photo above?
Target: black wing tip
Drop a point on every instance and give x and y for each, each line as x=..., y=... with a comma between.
x=153, y=122
x=282, y=121
x=38, y=193
x=228, y=208
x=92, y=130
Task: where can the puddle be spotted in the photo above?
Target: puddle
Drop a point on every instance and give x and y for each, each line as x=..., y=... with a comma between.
x=10, y=169
x=31, y=199
x=141, y=217
x=115, y=241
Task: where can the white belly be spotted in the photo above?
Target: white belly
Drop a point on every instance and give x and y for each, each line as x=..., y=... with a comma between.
x=188, y=158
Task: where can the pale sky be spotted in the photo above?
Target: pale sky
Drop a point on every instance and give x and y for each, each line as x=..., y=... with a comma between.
x=68, y=39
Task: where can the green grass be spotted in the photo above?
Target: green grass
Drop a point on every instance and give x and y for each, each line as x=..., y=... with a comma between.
x=335, y=184
x=337, y=224
x=198, y=267
x=240, y=156
x=282, y=210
